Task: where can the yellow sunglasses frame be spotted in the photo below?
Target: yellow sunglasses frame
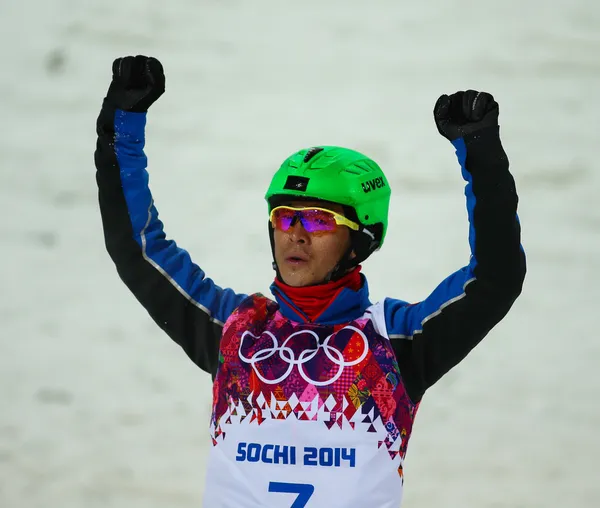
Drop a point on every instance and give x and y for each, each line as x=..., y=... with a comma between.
x=340, y=220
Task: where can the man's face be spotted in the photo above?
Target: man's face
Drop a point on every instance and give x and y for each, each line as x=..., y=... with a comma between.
x=305, y=259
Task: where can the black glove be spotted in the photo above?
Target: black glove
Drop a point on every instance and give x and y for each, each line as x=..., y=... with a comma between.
x=137, y=83
x=464, y=113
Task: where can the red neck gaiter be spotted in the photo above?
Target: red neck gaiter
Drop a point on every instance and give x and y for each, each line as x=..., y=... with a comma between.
x=313, y=300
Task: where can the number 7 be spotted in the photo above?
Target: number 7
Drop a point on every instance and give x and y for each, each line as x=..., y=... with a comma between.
x=304, y=491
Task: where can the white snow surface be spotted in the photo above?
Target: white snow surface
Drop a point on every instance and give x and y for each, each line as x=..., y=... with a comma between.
x=99, y=409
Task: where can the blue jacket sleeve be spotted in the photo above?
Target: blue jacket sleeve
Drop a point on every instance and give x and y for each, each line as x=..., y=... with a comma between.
x=186, y=304
x=434, y=335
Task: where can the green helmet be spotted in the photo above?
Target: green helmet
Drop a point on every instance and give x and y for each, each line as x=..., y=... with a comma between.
x=338, y=175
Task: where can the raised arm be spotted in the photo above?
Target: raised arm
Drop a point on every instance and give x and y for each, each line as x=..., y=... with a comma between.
x=434, y=335
x=189, y=307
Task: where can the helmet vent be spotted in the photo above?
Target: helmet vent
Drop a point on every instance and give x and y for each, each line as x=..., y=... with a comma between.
x=354, y=171
x=358, y=169
x=312, y=152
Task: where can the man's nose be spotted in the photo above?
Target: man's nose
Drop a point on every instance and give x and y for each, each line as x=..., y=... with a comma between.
x=298, y=233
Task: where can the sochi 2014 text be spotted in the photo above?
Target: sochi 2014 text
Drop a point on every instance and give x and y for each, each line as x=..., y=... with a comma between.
x=284, y=454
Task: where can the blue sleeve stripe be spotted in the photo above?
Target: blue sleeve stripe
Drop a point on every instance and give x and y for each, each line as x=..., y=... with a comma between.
x=419, y=329
x=164, y=255
x=403, y=320
x=444, y=305
x=409, y=317
x=461, y=155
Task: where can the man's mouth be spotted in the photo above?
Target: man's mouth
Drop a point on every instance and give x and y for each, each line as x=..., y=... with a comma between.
x=296, y=259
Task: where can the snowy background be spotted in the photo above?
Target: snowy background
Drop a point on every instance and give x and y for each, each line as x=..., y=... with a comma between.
x=98, y=408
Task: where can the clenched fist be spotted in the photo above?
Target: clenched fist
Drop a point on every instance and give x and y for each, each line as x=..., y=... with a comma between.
x=464, y=113
x=137, y=82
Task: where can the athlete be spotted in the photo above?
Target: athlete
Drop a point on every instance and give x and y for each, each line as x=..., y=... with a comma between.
x=314, y=392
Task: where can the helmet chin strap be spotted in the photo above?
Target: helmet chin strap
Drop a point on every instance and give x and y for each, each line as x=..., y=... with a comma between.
x=362, y=245
x=346, y=264
x=272, y=241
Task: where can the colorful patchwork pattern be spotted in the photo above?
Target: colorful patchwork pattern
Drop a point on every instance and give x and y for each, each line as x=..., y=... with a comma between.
x=344, y=375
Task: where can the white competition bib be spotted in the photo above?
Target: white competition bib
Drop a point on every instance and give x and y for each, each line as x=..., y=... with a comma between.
x=306, y=415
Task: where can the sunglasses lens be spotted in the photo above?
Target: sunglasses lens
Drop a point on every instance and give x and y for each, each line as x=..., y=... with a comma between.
x=315, y=221
x=283, y=218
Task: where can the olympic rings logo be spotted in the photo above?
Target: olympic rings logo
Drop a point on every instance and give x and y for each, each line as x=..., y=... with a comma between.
x=287, y=355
